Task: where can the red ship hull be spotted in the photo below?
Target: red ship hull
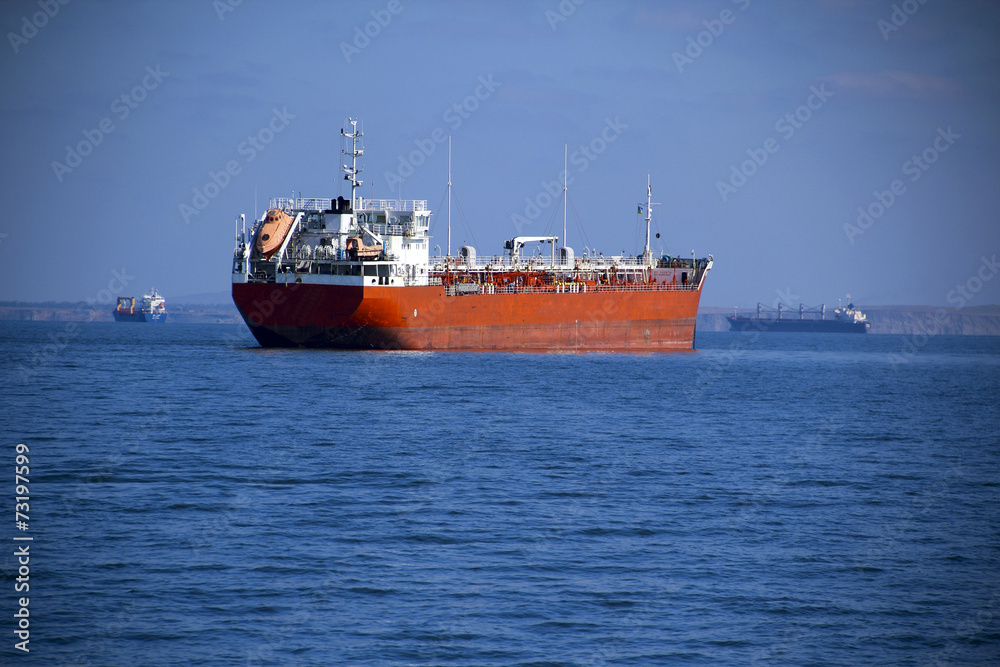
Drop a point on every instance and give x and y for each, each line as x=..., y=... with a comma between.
x=425, y=318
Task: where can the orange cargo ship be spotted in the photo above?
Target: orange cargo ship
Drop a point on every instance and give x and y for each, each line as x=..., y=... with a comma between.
x=357, y=274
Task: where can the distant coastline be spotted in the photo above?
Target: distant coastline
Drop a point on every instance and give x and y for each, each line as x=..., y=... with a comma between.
x=967, y=321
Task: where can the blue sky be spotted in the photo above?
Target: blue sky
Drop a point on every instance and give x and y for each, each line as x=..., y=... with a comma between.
x=135, y=132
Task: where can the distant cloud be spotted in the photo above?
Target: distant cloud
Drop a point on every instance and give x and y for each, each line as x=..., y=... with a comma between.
x=896, y=83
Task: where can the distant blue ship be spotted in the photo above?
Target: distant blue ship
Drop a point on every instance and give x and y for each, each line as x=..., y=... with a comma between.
x=152, y=309
x=845, y=320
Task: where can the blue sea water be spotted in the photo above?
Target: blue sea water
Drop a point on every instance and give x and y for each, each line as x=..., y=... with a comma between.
x=774, y=499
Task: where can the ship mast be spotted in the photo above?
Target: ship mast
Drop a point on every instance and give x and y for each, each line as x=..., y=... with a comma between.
x=449, y=195
x=565, y=153
x=351, y=173
x=646, y=254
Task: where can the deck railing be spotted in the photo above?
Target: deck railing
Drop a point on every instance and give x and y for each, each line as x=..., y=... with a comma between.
x=300, y=204
x=462, y=289
x=391, y=204
x=323, y=204
x=538, y=263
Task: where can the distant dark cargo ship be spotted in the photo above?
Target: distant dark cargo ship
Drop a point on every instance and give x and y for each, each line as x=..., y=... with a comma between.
x=150, y=309
x=845, y=320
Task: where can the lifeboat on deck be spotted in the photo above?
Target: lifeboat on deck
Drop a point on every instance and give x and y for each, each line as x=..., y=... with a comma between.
x=277, y=224
x=356, y=249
